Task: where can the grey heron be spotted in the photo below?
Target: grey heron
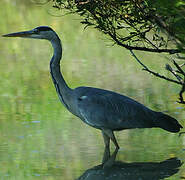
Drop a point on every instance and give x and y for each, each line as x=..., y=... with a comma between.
x=102, y=109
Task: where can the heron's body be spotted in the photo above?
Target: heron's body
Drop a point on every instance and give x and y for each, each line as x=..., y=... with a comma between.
x=109, y=110
x=101, y=109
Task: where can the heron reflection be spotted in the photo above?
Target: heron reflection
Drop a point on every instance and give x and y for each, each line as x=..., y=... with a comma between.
x=133, y=171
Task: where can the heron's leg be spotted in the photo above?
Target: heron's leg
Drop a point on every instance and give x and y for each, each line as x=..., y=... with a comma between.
x=111, y=160
x=106, y=154
x=110, y=133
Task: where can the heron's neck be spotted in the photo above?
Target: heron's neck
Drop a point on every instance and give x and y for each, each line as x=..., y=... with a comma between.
x=62, y=88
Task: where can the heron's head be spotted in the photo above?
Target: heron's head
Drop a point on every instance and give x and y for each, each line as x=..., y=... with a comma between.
x=41, y=32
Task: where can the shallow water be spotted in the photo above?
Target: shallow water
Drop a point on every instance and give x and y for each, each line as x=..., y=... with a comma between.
x=39, y=139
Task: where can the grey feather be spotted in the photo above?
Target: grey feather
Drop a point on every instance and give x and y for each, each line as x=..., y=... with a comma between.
x=107, y=109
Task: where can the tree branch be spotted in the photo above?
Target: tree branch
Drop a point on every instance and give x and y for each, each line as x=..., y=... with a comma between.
x=170, y=51
x=145, y=68
x=169, y=68
x=181, y=99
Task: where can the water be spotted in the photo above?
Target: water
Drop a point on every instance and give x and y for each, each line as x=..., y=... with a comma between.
x=39, y=139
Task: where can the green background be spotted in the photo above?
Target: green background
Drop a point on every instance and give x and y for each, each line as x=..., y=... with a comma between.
x=39, y=138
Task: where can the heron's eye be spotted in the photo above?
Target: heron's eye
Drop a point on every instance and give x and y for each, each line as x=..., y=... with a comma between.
x=36, y=31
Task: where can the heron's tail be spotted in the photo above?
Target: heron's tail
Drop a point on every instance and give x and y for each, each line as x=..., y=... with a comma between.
x=167, y=123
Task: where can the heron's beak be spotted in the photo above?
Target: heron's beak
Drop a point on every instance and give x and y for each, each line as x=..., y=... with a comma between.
x=19, y=34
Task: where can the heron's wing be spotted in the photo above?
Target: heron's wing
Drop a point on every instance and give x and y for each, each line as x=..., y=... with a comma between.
x=113, y=111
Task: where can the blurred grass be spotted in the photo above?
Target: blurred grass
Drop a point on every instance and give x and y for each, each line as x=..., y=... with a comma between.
x=39, y=138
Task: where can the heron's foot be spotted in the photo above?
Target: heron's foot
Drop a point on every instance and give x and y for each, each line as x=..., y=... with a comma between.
x=106, y=155
x=111, y=160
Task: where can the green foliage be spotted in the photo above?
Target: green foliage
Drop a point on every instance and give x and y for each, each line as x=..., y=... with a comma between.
x=154, y=26
x=170, y=16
